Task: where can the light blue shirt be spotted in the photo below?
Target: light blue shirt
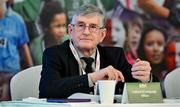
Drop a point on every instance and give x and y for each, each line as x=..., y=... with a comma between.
x=13, y=34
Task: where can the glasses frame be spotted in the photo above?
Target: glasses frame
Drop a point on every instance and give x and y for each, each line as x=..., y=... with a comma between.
x=89, y=28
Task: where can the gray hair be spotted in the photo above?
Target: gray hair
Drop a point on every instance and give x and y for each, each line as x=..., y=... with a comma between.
x=89, y=9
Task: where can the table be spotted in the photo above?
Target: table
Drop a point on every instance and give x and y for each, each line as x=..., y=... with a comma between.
x=45, y=104
x=126, y=105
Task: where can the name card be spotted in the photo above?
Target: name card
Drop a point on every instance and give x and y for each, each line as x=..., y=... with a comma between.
x=142, y=93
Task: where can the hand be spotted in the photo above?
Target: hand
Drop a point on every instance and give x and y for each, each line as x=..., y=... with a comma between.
x=108, y=73
x=141, y=70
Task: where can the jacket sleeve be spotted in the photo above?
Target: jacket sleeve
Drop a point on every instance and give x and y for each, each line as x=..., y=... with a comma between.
x=125, y=67
x=56, y=82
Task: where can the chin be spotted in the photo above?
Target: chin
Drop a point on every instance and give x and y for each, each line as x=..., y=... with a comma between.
x=156, y=62
x=86, y=44
x=87, y=47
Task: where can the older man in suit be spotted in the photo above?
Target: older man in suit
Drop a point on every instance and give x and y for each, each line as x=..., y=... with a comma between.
x=77, y=64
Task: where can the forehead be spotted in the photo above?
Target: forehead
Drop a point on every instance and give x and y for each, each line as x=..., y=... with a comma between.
x=117, y=23
x=88, y=19
x=61, y=17
x=155, y=35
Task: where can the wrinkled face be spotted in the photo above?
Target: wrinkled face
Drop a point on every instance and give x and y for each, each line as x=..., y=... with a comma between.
x=134, y=35
x=154, y=44
x=58, y=27
x=118, y=32
x=86, y=32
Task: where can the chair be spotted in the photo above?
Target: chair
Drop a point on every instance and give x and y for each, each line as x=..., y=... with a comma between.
x=172, y=84
x=26, y=83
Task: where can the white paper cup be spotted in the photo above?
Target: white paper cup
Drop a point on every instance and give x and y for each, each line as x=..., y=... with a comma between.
x=106, y=91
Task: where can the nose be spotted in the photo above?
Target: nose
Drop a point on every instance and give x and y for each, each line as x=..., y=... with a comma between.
x=158, y=48
x=86, y=30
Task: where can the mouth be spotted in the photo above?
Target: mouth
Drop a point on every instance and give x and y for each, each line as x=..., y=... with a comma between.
x=134, y=43
x=86, y=39
x=156, y=56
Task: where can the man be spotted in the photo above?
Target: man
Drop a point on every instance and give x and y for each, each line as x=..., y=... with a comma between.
x=66, y=69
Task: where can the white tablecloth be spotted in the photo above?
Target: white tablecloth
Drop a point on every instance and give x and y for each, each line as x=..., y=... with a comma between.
x=45, y=104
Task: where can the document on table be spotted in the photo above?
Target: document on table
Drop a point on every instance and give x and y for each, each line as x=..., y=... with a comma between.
x=94, y=98
x=32, y=104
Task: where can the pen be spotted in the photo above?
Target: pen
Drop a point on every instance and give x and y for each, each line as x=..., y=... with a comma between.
x=68, y=100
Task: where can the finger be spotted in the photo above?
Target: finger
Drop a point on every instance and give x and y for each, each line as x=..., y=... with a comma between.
x=111, y=78
x=141, y=68
x=137, y=60
x=140, y=73
x=116, y=75
x=141, y=63
x=120, y=75
x=110, y=75
x=105, y=73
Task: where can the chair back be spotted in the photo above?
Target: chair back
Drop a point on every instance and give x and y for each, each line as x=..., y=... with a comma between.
x=26, y=83
x=172, y=84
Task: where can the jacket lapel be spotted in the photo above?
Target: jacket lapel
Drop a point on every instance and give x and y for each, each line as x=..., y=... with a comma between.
x=72, y=64
x=103, y=58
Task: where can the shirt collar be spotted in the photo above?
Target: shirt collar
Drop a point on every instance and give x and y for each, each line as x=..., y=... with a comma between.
x=81, y=55
x=9, y=11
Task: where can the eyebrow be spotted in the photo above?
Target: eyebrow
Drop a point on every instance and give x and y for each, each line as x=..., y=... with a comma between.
x=79, y=22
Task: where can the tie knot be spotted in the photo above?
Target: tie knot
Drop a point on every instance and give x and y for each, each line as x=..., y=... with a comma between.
x=88, y=60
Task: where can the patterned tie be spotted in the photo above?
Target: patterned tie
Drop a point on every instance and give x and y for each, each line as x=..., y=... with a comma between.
x=89, y=62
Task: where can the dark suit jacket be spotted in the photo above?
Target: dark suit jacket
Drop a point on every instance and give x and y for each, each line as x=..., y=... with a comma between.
x=60, y=73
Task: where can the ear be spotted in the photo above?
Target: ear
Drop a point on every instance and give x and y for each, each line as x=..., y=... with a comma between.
x=69, y=29
x=103, y=34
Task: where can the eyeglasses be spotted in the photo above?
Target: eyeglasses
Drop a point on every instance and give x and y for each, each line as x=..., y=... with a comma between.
x=82, y=26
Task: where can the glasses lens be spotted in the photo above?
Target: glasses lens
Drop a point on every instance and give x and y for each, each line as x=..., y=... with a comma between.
x=82, y=27
x=93, y=28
